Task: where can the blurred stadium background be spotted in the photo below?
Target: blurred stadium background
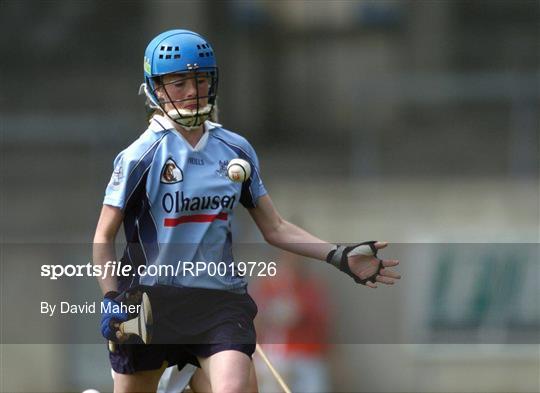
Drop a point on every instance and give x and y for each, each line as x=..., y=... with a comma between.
x=411, y=121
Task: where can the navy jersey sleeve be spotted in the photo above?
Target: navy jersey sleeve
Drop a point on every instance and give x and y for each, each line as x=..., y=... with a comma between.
x=253, y=188
x=130, y=169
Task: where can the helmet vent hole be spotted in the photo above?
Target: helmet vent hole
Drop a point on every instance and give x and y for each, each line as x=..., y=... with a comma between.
x=168, y=56
x=176, y=48
x=162, y=48
x=201, y=54
x=207, y=54
x=198, y=47
x=161, y=56
x=176, y=56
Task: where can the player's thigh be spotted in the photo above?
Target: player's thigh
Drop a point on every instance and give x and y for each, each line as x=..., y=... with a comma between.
x=229, y=372
x=141, y=381
x=253, y=385
x=200, y=383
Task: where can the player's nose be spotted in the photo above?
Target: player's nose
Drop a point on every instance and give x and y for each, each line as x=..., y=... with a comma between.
x=191, y=88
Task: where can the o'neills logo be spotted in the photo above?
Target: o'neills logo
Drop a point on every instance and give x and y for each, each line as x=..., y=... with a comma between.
x=176, y=202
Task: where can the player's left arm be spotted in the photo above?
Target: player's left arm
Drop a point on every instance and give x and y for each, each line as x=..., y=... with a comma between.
x=358, y=261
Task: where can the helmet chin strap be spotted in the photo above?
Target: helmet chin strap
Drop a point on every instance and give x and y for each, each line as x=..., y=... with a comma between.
x=190, y=119
x=143, y=88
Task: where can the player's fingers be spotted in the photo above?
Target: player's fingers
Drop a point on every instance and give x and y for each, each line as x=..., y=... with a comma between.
x=389, y=273
x=379, y=245
x=389, y=262
x=121, y=336
x=370, y=284
x=385, y=280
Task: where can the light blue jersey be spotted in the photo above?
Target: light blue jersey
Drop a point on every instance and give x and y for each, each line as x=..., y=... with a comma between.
x=178, y=202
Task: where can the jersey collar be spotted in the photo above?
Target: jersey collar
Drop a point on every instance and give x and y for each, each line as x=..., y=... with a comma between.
x=160, y=123
x=210, y=125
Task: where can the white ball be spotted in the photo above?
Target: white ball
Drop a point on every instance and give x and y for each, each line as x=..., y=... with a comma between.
x=238, y=170
x=91, y=391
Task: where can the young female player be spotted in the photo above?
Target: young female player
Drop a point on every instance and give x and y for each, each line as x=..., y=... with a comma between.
x=171, y=192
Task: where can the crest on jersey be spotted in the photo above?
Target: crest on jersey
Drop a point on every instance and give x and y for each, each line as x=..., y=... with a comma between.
x=222, y=168
x=118, y=175
x=170, y=173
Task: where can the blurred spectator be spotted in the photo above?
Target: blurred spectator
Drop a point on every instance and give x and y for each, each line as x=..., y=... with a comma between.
x=292, y=327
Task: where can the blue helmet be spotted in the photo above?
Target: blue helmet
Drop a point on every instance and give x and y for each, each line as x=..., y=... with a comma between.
x=177, y=52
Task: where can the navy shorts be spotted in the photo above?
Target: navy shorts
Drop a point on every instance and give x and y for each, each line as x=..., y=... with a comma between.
x=189, y=323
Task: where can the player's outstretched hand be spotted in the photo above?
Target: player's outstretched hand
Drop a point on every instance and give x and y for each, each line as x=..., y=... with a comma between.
x=367, y=267
x=361, y=263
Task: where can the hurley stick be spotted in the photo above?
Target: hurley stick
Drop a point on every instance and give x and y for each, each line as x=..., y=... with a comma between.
x=141, y=325
x=273, y=370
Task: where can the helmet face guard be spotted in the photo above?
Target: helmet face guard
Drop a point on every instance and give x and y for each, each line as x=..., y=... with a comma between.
x=191, y=111
x=173, y=60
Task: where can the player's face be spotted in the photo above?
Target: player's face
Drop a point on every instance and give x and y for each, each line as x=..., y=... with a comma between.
x=183, y=90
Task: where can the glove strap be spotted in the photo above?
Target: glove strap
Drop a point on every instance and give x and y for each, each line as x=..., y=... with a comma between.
x=339, y=257
x=334, y=256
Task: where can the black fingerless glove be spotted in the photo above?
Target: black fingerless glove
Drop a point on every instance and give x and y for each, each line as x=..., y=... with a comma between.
x=339, y=257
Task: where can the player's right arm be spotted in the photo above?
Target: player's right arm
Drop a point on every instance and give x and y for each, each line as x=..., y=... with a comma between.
x=108, y=225
x=109, y=222
x=129, y=168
